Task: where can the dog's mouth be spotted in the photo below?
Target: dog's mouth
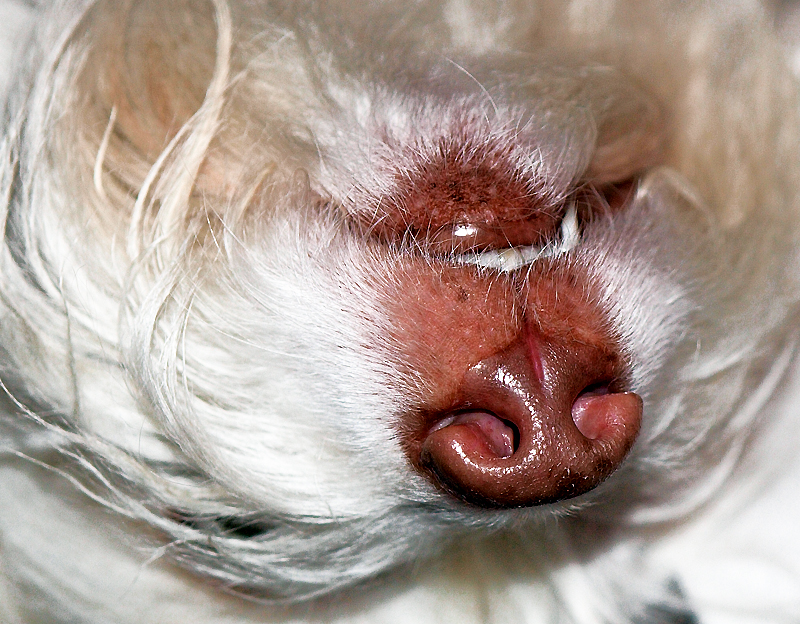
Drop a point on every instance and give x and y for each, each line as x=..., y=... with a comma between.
x=512, y=245
x=516, y=257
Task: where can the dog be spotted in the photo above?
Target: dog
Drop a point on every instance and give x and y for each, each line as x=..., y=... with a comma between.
x=443, y=311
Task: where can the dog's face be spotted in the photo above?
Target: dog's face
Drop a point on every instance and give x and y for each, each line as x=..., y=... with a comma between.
x=333, y=288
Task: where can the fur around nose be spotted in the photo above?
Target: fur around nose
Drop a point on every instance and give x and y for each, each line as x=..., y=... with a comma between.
x=541, y=413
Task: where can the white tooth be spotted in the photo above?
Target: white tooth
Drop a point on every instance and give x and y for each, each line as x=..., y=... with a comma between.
x=570, y=232
x=513, y=258
x=508, y=259
x=530, y=253
x=486, y=259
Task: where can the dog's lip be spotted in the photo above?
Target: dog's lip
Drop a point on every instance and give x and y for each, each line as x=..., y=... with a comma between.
x=511, y=258
x=469, y=236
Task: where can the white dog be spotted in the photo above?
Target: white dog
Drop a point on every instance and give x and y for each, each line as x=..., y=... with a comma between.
x=433, y=311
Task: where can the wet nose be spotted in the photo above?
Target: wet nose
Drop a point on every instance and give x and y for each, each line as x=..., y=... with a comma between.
x=539, y=422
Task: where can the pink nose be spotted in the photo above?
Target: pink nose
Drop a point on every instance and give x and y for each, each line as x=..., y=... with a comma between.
x=534, y=424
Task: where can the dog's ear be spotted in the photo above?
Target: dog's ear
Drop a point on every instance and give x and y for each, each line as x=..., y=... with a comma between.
x=152, y=66
x=139, y=72
x=149, y=85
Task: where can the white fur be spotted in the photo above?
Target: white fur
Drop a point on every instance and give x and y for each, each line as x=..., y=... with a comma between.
x=193, y=341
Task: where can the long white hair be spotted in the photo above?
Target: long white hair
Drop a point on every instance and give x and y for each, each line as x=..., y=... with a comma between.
x=193, y=331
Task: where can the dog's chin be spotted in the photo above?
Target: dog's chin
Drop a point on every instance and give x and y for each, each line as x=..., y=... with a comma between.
x=338, y=308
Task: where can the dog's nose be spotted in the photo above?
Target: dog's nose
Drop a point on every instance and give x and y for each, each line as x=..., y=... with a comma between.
x=539, y=422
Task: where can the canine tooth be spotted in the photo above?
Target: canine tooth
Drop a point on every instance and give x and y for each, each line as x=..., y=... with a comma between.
x=507, y=259
x=570, y=231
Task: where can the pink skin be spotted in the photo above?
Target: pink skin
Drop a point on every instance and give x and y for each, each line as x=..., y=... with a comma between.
x=525, y=358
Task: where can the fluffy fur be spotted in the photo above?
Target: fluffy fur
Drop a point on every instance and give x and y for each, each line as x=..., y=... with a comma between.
x=203, y=385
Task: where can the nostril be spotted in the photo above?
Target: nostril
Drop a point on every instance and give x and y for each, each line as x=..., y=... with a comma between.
x=598, y=413
x=487, y=434
x=584, y=416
